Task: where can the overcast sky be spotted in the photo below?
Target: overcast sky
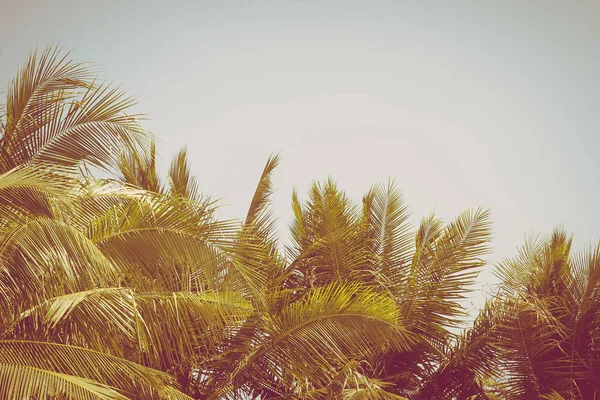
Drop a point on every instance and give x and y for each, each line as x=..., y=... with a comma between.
x=466, y=103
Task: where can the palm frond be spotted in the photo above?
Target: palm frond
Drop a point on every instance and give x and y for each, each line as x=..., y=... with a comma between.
x=533, y=364
x=386, y=216
x=161, y=235
x=130, y=379
x=45, y=258
x=23, y=382
x=470, y=361
x=139, y=169
x=445, y=263
x=181, y=180
x=41, y=86
x=27, y=192
x=255, y=249
x=57, y=115
x=91, y=129
x=308, y=341
x=328, y=239
x=161, y=328
x=263, y=191
x=353, y=382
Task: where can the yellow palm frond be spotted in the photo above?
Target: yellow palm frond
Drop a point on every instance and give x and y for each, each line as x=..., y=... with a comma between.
x=329, y=240
x=263, y=191
x=160, y=235
x=139, y=169
x=446, y=261
x=29, y=192
x=89, y=130
x=24, y=382
x=307, y=341
x=44, y=258
x=130, y=379
x=162, y=328
x=386, y=217
x=41, y=87
x=181, y=181
x=56, y=115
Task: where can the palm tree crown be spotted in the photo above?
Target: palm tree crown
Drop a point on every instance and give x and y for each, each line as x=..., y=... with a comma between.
x=130, y=287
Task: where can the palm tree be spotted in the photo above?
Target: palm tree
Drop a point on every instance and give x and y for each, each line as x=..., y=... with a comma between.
x=538, y=337
x=555, y=314
x=130, y=287
x=360, y=307
x=99, y=283
x=118, y=288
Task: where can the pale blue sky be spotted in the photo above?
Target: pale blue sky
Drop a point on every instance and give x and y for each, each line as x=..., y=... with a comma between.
x=465, y=103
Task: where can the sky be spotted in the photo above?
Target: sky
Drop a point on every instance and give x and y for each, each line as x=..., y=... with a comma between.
x=467, y=104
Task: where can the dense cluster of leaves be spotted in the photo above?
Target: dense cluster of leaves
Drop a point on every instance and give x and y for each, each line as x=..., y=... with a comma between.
x=129, y=287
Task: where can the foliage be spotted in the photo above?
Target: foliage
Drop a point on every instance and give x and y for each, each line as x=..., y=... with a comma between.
x=130, y=287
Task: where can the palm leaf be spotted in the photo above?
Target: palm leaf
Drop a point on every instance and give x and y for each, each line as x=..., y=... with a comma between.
x=90, y=129
x=181, y=181
x=311, y=338
x=130, y=379
x=21, y=382
x=27, y=192
x=45, y=258
x=328, y=239
x=41, y=87
x=386, y=216
x=161, y=235
x=163, y=328
x=56, y=115
x=445, y=263
x=139, y=169
x=263, y=191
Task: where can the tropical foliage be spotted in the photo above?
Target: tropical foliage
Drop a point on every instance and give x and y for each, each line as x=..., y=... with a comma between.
x=130, y=287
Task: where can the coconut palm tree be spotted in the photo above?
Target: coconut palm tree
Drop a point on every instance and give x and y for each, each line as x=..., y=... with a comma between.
x=551, y=335
x=538, y=337
x=359, y=307
x=130, y=287
x=122, y=289
x=100, y=286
